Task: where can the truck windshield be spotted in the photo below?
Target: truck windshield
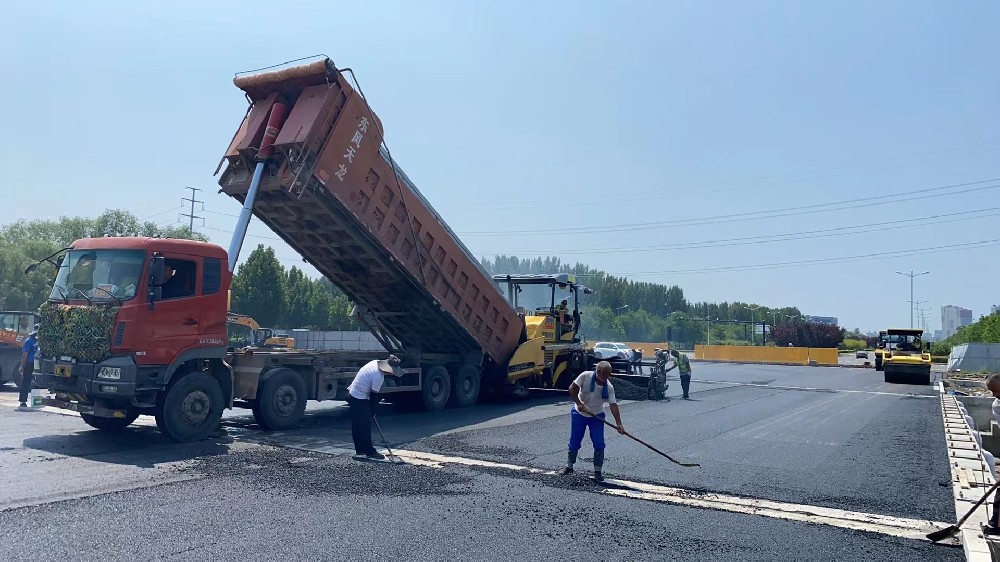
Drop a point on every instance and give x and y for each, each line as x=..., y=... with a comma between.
x=535, y=297
x=98, y=275
x=20, y=322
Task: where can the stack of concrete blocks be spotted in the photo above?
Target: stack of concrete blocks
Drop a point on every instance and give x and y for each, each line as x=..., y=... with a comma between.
x=973, y=471
x=336, y=340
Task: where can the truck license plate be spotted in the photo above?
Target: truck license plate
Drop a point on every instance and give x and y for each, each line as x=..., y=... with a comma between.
x=63, y=370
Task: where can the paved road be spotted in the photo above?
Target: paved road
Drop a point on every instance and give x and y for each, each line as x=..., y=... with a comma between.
x=830, y=437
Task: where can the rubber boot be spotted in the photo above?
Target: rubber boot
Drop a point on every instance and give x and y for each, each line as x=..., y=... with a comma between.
x=598, y=464
x=570, y=461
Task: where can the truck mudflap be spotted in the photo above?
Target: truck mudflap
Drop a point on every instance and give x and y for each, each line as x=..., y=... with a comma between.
x=79, y=403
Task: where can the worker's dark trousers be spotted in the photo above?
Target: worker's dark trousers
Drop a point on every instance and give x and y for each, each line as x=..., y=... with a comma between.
x=25, y=387
x=361, y=425
x=685, y=384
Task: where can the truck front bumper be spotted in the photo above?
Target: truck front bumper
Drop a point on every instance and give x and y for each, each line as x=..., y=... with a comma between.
x=88, y=382
x=65, y=402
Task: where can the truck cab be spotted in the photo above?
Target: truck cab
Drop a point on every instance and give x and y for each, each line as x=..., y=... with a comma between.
x=15, y=326
x=138, y=326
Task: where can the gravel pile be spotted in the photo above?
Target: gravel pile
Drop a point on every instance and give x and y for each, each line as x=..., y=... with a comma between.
x=625, y=390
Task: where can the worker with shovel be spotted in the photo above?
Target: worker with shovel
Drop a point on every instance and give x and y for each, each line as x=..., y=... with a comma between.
x=363, y=395
x=590, y=391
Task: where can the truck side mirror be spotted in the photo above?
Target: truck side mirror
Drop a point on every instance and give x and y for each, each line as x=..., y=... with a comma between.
x=156, y=270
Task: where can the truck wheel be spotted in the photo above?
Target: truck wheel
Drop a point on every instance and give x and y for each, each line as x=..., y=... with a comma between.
x=465, y=390
x=191, y=408
x=281, y=399
x=435, y=388
x=109, y=425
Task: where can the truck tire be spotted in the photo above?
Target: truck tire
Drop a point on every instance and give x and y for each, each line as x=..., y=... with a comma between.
x=435, y=388
x=281, y=399
x=191, y=408
x=465, y=386
x=109, y=425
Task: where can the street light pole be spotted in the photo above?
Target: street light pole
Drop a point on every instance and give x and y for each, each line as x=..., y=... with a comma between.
x=911, y=275
x=753, y=333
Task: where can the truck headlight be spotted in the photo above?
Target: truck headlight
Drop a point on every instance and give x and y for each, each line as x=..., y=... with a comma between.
x=110, y=373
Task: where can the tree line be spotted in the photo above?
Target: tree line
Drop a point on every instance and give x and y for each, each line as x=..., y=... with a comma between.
x=624, y=310
x=984, y=330
x=620, y=309
x=26, y=241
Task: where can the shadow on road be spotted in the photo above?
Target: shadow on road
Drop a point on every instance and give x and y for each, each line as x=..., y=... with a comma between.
x=138, y=446
x=144, y=446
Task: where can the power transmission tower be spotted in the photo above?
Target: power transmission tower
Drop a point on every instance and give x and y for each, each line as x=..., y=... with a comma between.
x=191, y=216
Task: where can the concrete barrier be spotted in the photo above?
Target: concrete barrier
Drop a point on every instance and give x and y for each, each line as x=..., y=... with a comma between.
x=763, y=354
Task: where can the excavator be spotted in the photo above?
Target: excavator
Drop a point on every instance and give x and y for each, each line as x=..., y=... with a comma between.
x=259, y=337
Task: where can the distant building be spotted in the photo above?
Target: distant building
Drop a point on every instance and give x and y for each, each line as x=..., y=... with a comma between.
x=938, y=335
x=952, y=318
x=831, y=320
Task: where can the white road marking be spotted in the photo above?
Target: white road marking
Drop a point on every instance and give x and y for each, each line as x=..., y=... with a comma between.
x=809, y=389
x=914, y=529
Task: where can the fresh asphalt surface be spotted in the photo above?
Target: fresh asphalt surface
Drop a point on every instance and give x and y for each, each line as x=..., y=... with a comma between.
x=833, y=437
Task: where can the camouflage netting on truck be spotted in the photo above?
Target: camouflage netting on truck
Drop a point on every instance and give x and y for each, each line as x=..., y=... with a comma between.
x=82, y=332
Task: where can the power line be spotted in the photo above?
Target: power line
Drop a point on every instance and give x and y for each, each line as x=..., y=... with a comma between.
x=801, y=263
x=770, y=238
x=146, y=218
x=191, y=216
x=697, y=189
x=843, y=205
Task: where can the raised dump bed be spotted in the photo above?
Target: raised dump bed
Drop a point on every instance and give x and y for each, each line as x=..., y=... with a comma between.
x=332, y=193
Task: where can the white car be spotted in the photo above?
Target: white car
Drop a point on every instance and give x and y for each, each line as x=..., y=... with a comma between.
x=612, y=350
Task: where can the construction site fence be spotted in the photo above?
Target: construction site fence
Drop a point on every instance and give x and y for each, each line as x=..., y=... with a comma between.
x=761, y=354
x=336, y=340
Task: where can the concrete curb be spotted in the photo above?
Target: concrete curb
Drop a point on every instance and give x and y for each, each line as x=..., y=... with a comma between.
x=970, y=477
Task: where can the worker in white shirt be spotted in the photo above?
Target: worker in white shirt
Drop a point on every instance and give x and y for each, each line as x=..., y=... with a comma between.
x=363, y=395
x=993, y=384
x=590, y=391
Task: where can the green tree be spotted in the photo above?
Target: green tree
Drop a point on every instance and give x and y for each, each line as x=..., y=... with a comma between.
x=298, y=299
x=25, y=241
x=259, y=287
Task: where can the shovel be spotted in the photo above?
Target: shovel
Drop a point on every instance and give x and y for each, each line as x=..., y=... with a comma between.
x=954, y=529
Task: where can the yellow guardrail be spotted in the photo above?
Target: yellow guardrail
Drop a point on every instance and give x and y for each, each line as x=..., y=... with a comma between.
x=759, y=354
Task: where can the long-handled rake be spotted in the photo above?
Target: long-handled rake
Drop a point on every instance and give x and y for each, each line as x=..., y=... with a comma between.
x=627, y=434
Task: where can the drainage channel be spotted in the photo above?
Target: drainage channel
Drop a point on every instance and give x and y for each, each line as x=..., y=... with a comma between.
x=970, y=477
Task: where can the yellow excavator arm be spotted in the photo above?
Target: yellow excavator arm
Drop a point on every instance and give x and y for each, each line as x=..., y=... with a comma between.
x=263, y=337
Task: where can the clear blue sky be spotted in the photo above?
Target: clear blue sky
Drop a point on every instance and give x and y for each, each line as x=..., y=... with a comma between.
x=508, y=115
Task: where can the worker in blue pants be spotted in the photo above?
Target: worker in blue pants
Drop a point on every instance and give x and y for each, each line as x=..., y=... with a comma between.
x=590, y=391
